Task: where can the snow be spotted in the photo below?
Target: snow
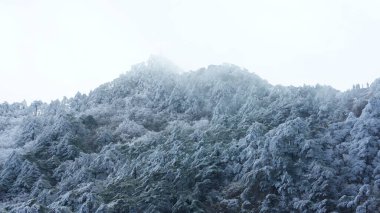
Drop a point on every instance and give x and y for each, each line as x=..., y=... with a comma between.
x=220, y=139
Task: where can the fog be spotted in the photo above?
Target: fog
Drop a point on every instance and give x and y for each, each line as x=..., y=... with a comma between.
x=51, y=49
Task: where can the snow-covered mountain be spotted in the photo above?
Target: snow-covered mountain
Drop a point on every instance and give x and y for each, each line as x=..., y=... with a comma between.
x=219, y=139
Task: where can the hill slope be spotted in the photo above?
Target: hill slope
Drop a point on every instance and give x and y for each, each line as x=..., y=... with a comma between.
x=218, y=139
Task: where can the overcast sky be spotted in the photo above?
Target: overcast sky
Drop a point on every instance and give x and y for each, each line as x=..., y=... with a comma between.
x=50, y=49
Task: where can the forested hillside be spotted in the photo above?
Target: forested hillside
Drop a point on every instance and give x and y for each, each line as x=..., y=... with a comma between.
x=219, y=139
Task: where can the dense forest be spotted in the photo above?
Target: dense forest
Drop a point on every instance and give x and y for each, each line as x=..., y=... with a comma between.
x=219, y=139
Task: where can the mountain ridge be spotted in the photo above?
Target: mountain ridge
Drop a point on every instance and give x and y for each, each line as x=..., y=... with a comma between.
x=220, y=139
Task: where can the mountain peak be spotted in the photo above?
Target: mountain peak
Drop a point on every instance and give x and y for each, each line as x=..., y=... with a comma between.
x=158, y=63
x=217, y=137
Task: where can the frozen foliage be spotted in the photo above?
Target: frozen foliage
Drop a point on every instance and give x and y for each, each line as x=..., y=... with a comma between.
x=219, y=139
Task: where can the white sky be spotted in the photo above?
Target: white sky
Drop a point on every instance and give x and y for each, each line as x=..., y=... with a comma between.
x=50, y=49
